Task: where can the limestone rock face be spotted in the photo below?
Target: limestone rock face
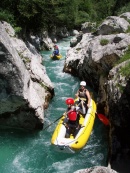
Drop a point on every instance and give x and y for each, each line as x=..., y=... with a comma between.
x=88, y=27
x=24, y=84
x=113, y=24
x=89, y=59
x=118, y=101
x=125, y=15
x=96, y=169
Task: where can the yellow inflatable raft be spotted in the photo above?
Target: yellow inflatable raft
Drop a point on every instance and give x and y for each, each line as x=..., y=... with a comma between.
x=72, y=143
x=56, y=57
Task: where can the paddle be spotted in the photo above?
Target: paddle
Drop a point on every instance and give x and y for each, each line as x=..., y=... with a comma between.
x=103, y=118
x=52, y=123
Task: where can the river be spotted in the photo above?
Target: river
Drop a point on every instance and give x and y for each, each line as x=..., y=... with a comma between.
x=24, y=152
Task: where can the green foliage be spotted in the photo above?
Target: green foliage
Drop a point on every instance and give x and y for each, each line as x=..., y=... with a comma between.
x=43, y=85
x=6, y=16
x=82, y=18
x=104, y=8
x=17, y=29
x=125, y=57
x=128, y=30
x=128, y=20
x=36, y=15
x=104, y=42
x=121, y=88
x=125, y=71
x=124, y=7
x=26, y=60
x=78, y=49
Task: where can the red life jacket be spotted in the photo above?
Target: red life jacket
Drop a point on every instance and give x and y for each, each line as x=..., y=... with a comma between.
x=72, y=116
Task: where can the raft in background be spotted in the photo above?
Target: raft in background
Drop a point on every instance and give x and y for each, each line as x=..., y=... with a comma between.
x=56, y=57
x=73, y=144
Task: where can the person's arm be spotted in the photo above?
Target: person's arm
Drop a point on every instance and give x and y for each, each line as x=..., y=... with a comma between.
x=89, y=98
x=53, y=52
x=77, y=94
x=69, y=110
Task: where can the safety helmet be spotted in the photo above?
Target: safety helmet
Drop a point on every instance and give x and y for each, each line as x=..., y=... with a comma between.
x=72, y=116
x=83, y=83
x=69, y=101
x=55, y=45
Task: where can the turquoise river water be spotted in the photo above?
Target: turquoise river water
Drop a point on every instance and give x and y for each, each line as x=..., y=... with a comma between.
x=25, y=152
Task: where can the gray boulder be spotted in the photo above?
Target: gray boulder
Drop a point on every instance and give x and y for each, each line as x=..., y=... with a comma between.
x=24, y=84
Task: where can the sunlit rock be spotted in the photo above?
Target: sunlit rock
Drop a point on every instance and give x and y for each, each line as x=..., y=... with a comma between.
x=24, y=84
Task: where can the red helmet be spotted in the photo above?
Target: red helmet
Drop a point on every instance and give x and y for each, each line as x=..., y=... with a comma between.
x=72, y=116
x=69, y=101
x=56, y=46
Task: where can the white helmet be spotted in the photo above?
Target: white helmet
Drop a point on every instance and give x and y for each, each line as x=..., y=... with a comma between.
x=83, y=83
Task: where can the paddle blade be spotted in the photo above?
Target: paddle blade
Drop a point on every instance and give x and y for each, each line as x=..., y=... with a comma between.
x=104, y=119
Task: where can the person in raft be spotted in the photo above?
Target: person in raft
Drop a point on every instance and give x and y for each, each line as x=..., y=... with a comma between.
x=72, y=116
x=56, y=50
x=83, y=97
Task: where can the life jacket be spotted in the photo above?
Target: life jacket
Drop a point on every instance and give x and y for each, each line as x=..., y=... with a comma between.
x=72, y=116
x=56, y=52
x=82, y=95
